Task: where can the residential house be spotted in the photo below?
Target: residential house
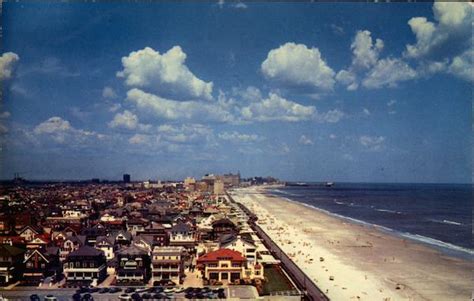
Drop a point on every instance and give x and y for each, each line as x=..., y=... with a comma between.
x=161, y=237
x=93, y=232
x=11, y=264
x=29, y=232
x=223, y=265
x=223, y=226
x=136, y=225
x=144, y=241
x=133, y=265
x=85, y=265
x=107, y=245
x=122, y=238
x=181, y=234
x=58, y=237
x=39, y=241
x=6, y=223
x=244, y=244
x=13, y=240
x=41, y=263
x=168, y=263
x=70, y=244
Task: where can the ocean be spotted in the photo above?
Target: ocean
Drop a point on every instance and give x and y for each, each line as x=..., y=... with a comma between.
x=438, y=215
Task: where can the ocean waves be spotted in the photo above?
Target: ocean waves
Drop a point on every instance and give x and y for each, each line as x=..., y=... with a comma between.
x=415, y=216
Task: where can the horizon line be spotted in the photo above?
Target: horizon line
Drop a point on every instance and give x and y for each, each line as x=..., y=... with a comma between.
x=280, y=180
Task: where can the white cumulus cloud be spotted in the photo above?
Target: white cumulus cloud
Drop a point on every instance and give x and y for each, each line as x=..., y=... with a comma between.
x=277, y=108
x=462, y=65
x=450, y=34
x=165, y=74
x=348, y=79
x=178, y=110
x=127, y=120
x=248, y=106
x=365, y=50
x=7, y=64
x=296, y=65
x=61, y=131
x=365, y=55
x=388, y=73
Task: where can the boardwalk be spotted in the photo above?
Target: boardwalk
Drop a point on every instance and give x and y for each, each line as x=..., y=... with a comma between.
x=305, y=284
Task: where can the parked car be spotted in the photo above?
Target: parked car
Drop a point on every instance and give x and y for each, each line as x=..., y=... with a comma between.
x=83, y=290
x=114, y=290
x=136, y=297
x=76, y=297
x=87, y=297
x=147, y=296
x=35, y=297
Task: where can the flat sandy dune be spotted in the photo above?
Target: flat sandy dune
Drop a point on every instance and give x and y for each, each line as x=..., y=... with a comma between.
x=364, y=263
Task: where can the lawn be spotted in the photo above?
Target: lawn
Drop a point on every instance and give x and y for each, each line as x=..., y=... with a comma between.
x=276, y=280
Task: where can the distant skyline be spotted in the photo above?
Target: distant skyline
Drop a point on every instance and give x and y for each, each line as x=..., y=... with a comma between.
x=353, y=92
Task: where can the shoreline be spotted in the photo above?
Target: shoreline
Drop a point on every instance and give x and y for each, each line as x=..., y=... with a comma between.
x=446, y=248
x=365, y=263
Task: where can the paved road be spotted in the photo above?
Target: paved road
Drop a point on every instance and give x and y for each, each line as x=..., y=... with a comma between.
x=304, y=283
x=24, y=294
x=65, y=294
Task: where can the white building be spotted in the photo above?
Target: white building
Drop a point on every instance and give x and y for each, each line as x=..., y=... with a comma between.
x=218, y=187
x=167, y=263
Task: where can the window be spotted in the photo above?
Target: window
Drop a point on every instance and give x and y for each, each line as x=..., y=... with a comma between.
x=29, y=264
x=224, y=265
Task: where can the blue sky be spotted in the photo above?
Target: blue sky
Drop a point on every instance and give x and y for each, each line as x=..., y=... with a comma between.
x=301, y=91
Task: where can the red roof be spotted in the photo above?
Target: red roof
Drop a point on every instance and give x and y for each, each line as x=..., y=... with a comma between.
x=44, y=237
x=114, y=222
x=222, y=254
x=14, y=239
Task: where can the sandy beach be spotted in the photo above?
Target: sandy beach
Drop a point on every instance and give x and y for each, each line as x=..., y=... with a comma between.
x=356, y=262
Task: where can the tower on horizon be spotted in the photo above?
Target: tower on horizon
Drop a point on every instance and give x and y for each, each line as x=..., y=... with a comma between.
x=126, y=178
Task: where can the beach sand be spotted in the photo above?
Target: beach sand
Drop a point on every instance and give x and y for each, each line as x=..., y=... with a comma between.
x=363, y=262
